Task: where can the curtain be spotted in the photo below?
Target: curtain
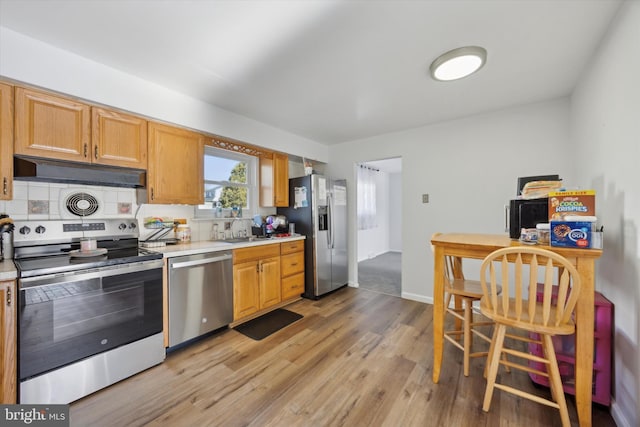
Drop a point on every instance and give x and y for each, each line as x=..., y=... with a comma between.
x=367, y=216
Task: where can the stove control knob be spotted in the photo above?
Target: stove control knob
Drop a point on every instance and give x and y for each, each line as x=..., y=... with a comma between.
x=122, y=226
x=25, y=230
x=40, y=229
x=132, y=226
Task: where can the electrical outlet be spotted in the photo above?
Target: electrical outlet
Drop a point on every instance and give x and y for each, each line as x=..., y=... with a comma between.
x=425, y=198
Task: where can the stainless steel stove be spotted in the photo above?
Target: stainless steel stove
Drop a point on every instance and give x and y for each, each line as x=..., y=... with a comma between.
x=85, y=321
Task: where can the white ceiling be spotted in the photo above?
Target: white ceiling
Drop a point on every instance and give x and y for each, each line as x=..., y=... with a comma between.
x=331, y=71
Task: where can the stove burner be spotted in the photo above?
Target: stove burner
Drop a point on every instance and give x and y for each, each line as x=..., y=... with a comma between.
x=82, y=204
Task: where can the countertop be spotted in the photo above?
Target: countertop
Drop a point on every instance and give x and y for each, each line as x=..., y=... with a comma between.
x=200, y=247
x=8, y=270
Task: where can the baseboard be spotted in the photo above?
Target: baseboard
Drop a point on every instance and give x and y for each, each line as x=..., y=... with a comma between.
x=417, y=297
x=618, y=416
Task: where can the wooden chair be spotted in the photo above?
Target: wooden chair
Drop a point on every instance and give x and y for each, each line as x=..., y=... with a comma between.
x=522, y=310
x=465, y=293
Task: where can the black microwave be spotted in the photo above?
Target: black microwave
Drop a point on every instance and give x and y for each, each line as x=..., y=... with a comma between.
x=526, y=214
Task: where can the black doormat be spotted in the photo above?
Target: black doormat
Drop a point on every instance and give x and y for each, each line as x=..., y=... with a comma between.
x=263, y=326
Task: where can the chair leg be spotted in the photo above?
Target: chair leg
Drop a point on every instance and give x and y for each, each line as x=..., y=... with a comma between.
x=492, y=346
x=467, y=336
x=495, y=351
x=555, y=380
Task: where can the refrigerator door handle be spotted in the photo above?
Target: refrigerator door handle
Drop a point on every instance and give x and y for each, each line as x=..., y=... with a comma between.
x=330, y=216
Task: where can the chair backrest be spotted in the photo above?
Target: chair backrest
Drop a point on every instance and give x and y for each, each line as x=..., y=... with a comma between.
x=527, y=265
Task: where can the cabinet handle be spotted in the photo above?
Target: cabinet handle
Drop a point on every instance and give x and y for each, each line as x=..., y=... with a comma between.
x=85, y=150
x=294, y=264
x=95, y=152
x=152, y=195
x=9, y=297
x=5, y=186
x=258, y=267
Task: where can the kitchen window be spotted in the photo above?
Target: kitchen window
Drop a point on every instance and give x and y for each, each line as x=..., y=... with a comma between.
x=230, y=181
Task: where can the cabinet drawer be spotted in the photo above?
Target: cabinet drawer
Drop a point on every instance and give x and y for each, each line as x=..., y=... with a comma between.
x=292, y=286
x=290, y=247
x=255, y=252
x=292, y=264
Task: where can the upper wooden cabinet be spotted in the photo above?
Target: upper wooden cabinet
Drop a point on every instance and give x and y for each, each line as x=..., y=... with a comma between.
x=175, y=165
x=51, y=126
x=8, y=339
x=118, y=139
x=56, y=127
x=6, y=142
x=274, y=180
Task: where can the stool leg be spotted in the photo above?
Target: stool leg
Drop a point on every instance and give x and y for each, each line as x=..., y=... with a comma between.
x=493, y=365
x=555, y=380
x=467, y=335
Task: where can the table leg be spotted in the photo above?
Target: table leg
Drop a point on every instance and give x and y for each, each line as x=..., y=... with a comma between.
x=438, y=311
x=584, y=341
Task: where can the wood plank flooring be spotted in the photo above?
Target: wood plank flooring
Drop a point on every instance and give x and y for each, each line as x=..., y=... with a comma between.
x=357, y=358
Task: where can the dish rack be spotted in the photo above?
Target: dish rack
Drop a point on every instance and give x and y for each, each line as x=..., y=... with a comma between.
x=157, y=238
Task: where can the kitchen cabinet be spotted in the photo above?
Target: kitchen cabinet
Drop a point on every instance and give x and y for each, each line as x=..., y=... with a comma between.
x=256, y=279
x=6, y=142
x=118, y=139
x=292, y=269
x=274, y=180
x=8, y=336
x=51, y=126
x=175, y=165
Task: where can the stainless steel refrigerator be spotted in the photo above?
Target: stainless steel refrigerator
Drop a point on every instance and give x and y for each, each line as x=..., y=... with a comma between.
x=318, y=207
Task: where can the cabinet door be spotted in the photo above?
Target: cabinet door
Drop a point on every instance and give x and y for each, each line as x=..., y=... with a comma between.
x=8, y=369
x=118, y=139
x=274, y=180
x=51, y=126
x=246, y=290
x=270, y=293
x=281, y=180
x=175, y=169
x=6, y=142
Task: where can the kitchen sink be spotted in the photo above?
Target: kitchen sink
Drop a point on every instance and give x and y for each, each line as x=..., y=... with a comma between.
x=237, y=240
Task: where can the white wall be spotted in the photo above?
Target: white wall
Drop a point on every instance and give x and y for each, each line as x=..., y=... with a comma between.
x=395, y=218
x=30, y=61
x=605, y=139
x=469, y=167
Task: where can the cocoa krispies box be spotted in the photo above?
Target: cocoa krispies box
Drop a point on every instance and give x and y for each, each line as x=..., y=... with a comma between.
x=574, y=233
x=564, y=203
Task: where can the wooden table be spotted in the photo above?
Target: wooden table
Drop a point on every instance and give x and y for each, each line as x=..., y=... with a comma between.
x=478, y=246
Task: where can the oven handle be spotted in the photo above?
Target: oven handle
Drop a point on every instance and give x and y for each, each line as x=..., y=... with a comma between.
x=112, y=270
x=200, y=261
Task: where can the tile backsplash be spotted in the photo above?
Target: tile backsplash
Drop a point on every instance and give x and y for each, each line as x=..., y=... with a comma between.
x=41, y=200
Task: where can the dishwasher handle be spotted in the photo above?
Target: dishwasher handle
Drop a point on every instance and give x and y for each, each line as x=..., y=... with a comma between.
x=201, y=261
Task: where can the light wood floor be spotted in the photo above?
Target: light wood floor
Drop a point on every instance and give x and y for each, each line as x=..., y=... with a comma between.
x=357, y=358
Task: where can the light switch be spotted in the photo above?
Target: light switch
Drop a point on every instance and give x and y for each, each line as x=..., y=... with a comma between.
x=425, y=198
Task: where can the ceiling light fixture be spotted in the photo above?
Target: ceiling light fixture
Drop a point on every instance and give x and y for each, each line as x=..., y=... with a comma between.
x=458, y=63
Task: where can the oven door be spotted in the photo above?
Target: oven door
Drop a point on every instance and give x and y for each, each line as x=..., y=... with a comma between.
x=67, y=317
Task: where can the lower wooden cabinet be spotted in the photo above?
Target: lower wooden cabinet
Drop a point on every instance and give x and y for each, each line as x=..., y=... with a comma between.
x=8, y=353
x=266, y=276
x=256, y=279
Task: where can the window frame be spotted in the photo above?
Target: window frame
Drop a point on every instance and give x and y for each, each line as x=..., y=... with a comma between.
x=207, y=210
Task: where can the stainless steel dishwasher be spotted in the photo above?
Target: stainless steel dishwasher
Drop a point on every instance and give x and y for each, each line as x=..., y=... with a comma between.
x=200, y=295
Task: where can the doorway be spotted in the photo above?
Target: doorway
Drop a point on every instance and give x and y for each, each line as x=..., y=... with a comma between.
x=379, y=241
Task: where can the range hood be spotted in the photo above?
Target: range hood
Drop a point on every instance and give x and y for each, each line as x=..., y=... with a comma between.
x=47, y=170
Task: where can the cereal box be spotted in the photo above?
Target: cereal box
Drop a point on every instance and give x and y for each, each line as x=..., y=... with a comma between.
x=564, y=203
x=571, y=234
